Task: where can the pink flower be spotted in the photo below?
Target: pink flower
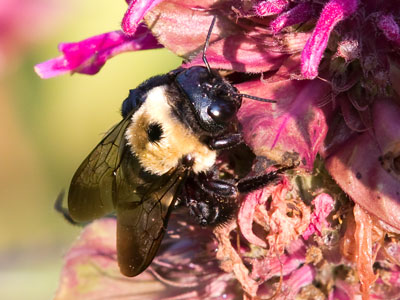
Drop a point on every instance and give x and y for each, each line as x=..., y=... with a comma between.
x=185, y=268
x=333, y=67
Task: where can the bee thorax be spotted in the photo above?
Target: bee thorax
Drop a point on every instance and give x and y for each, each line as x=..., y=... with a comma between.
x=161, y=141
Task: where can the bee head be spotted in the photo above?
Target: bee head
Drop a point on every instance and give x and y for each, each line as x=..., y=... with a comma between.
x=212, y=99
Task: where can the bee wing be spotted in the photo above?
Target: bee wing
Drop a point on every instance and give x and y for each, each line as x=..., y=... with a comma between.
x=93, y=184
x=111, y=178
x=142, y=218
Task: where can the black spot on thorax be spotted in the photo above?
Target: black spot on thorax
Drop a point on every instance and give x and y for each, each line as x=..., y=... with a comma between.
x=154, y=132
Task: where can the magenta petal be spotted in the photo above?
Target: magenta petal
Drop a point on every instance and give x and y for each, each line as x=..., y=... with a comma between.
x=300, y=278
x=270, y=7
x=298, y=14
x=292, y=284
x=333, y=12
x=52, y=68
x=89, y=56
x=295, y=127
x=323, y=205
x=267, y=267
x=242, y=54
x=246, y=214
x=91, y=271
x=136, y=11
x=187, y=33
x=367, y=166
x=92, y=256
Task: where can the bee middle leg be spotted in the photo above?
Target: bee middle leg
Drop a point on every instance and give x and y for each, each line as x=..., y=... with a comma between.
x=252, y=183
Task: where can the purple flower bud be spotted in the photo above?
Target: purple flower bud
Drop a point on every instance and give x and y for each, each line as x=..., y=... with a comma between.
x=390, y=28
x=270, y=7
x=296, y=15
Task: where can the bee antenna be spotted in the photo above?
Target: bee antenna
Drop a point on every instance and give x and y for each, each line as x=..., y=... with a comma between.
x=206, y=44
x=257, y=98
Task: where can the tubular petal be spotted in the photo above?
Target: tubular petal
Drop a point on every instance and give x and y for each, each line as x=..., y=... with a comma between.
x=136, y=11
x=89, y=56
x=294, y=128
x=298, y=14
x=333, y=12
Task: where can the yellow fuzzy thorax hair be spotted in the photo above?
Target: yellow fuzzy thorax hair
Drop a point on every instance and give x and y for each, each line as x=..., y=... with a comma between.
x=176, y=142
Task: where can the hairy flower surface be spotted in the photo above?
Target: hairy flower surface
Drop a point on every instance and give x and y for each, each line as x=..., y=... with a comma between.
x=328, y=228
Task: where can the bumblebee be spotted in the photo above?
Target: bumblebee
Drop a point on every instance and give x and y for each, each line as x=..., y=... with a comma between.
x=164, y=149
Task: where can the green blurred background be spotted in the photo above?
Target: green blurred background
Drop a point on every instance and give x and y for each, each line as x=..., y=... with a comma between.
x=47, y=127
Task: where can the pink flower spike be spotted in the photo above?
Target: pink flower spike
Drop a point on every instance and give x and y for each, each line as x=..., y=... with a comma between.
x=136, y=11
x=89, y=56
x=270, y=7
x=296, y=15
x=390, y=28
x=333, y=12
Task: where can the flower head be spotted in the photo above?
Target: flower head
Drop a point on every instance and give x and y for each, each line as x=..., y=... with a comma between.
x=330, y=227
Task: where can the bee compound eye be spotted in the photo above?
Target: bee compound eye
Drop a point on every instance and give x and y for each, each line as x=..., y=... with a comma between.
x=222, y=111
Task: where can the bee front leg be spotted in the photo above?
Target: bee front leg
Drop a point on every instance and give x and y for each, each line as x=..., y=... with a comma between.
x=252, y=183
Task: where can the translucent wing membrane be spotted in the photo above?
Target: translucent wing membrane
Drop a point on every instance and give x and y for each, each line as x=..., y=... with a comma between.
x=91, y=191
x=142, y=219
x=111, y=178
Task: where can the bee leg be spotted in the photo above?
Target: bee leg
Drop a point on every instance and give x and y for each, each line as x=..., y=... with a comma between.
x=252, y=183
x=58, y=206
x=210, y=201
x=203, y=211
x=225, y=142
x=219, y=188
